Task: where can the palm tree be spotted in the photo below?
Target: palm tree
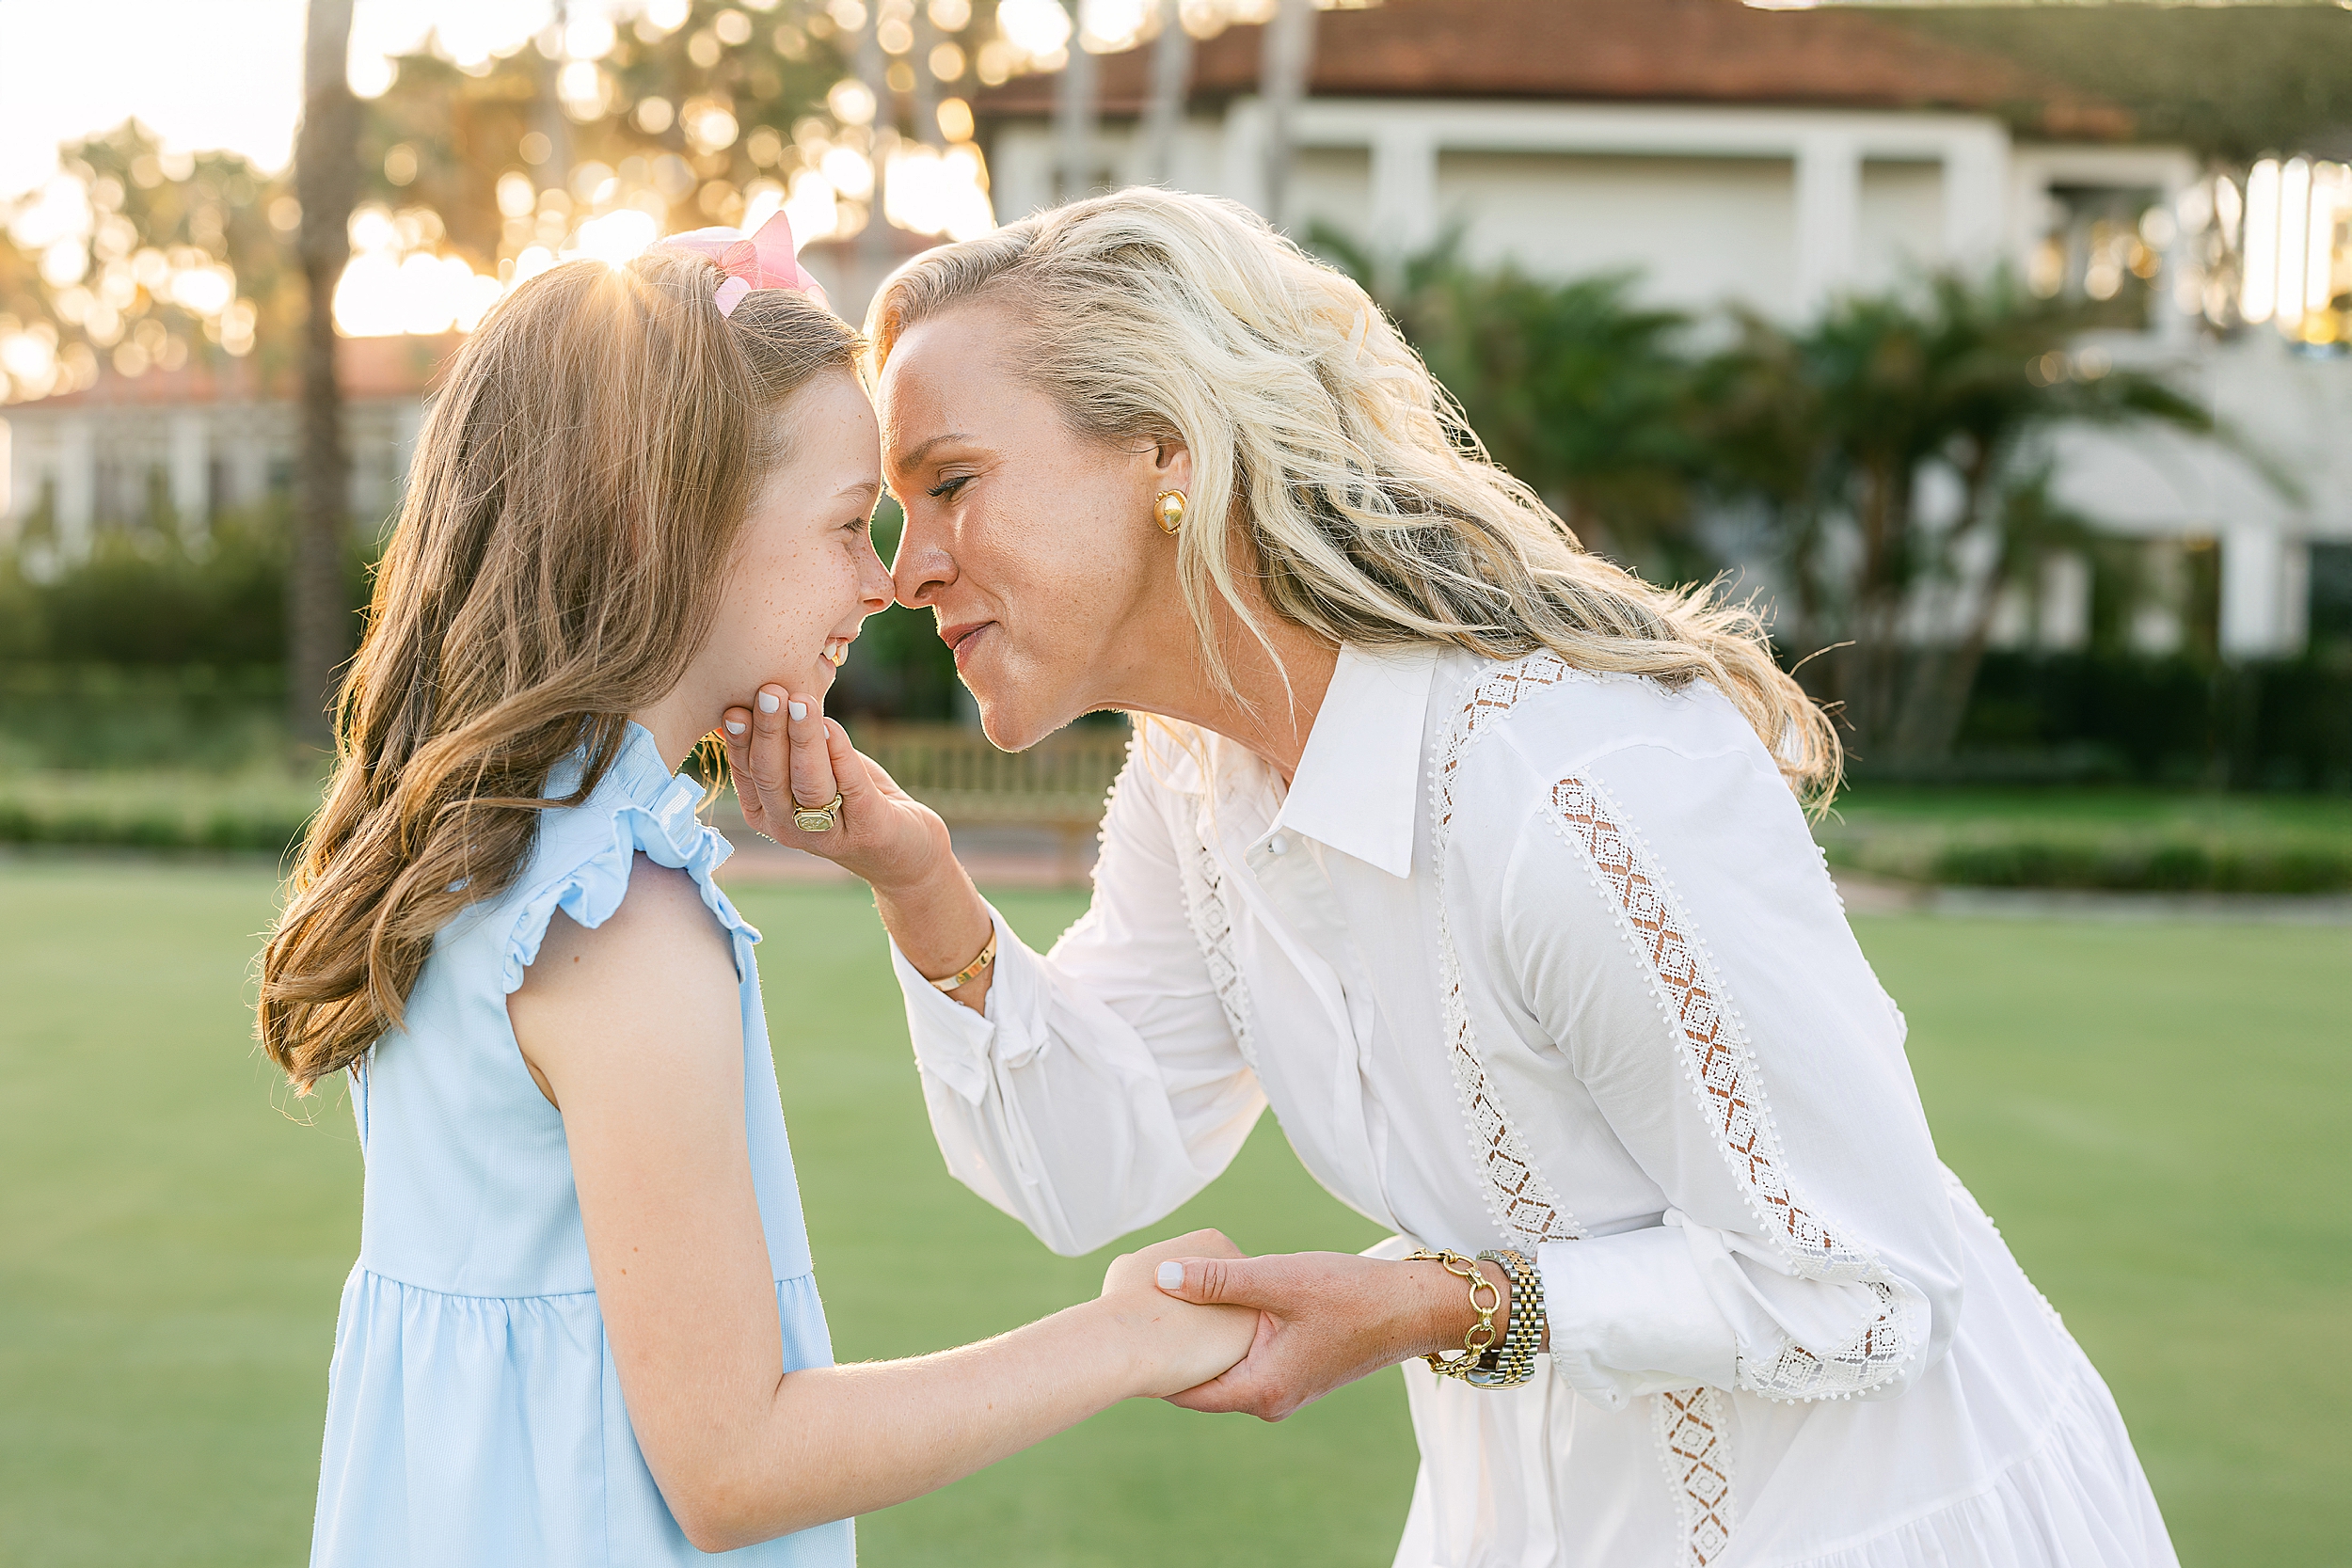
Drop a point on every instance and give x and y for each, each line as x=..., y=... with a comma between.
x=1580, y=391
x=1576, y=388
x=1286, y=59
x=326, y=182
x=1834, y=427
x=1171, y=78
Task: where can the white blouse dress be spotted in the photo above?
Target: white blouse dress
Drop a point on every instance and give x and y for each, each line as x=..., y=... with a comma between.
x=1529, y=957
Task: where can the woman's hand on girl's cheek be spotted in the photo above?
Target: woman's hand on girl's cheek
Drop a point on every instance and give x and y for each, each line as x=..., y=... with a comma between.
x=786, y=754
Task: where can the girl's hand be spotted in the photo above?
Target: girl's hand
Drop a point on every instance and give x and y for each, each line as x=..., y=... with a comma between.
x=789, y=755
x=1174, y=1351
x=1325, y=1319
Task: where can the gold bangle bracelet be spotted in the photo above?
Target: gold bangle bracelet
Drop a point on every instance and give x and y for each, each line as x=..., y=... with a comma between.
x=972, y=970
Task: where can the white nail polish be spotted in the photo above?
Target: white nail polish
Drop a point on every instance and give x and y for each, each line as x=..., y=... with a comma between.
x=799, y=710
x=767, y=703
x=733, y=728
x=1170, y=1275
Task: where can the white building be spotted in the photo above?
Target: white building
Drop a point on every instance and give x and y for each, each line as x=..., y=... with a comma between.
x=175, y=448
x=1771, y=158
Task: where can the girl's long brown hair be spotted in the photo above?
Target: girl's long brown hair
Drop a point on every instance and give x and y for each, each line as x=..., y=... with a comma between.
x=577, y=489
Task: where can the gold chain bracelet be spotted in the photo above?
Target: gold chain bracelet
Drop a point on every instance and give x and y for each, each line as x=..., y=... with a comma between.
x=1481, y=1336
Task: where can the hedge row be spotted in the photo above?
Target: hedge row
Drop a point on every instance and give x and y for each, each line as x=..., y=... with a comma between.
x=2116, y=864
x=2276, y=724
x=210, y=719
x=2143, y=867
x=161, y=829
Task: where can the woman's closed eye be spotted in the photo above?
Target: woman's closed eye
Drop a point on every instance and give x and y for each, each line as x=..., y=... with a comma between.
x=946, y=489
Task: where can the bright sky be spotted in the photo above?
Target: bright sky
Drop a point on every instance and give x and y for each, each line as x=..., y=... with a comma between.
x=203, y=73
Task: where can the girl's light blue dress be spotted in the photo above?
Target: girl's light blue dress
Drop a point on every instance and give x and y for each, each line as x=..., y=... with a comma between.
x=474, y=1415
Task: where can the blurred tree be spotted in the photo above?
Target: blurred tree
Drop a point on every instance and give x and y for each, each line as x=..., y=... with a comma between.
x=1834, y=427
x=686, y=112
x=1575, y=387
x=2230, y=82
x=144, y=259
x=1171, y=85
x=1583, y=393
x=327, y=180
x=1286, y=59
x=2030, y=528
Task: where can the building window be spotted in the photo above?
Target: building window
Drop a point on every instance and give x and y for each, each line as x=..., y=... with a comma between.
x=2101, y=247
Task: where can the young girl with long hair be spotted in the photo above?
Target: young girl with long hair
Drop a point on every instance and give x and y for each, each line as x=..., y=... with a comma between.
x=583, y=1325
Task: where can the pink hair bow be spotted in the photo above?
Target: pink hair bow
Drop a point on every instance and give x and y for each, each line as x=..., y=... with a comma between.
x=761, y=261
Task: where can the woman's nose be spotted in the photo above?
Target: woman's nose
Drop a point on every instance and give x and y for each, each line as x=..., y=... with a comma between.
x=922, y=569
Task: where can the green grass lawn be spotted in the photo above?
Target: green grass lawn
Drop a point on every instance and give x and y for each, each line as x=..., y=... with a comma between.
x=2151, y=1111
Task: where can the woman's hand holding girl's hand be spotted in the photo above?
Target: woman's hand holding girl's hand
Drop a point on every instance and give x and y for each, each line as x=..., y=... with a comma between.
x=787, y=755
x=1179, y=1349
x=1325, y=1319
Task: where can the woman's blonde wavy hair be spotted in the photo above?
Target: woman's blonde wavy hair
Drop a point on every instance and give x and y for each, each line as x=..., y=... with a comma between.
x=577, y=489
x=1365, y=509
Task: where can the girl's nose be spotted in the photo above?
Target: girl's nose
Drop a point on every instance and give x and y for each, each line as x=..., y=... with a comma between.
x=874, y=585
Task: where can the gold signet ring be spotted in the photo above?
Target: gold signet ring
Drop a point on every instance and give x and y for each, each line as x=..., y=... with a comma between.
x=818, y=819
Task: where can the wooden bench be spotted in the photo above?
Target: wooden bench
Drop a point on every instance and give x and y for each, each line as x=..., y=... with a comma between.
x=1057, y=784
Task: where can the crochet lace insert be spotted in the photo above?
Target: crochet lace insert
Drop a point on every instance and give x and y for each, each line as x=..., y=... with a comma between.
x=1691, y=1425
x=1521, y=1200
x=1213, y=928
x=1721, y=1070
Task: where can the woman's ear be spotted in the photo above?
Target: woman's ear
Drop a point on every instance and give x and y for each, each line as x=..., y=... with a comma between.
x=1171, y=467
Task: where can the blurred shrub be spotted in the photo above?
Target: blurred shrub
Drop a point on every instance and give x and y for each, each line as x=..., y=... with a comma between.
x=2080, y=718
x=146, y=597
x=2122, y=839
x=153, y=655
x=157, y=810
x=118, y=716
x=2146, y=867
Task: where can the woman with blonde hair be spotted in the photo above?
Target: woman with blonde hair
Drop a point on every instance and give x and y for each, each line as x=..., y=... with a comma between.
x=1482, y=863
x=584, y=1327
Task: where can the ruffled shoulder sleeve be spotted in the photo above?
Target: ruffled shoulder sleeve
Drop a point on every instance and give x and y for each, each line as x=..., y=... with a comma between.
x=582, y=861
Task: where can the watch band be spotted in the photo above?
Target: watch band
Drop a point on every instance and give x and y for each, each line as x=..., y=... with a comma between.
x=1512, y=1362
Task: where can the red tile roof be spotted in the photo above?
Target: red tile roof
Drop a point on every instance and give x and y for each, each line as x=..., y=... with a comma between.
x=1643, y=51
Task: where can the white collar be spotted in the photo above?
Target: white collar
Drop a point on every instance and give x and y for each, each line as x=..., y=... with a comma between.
x=1358, y=780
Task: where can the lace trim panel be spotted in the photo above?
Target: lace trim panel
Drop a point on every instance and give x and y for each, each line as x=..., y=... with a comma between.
x=1213, y=928
x=1524, y=1206
x=1721, y=1070
x=1690, y=1424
